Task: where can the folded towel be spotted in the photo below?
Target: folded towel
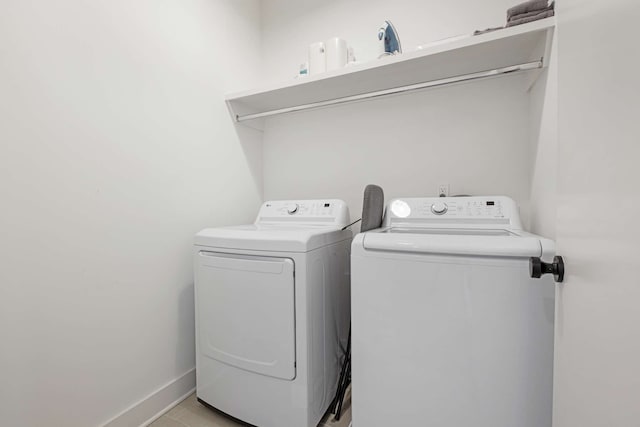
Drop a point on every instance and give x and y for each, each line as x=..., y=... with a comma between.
x=526, y=7
x=528, y=14
x=528, y=11
x=541, y=15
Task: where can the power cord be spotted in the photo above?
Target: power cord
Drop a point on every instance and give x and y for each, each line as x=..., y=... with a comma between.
x=347, y=226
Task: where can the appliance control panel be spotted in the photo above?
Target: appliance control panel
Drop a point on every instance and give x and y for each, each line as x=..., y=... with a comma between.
x=325, y=211
x=490, y=210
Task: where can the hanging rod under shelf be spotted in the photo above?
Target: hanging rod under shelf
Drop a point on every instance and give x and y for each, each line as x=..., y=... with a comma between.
x=433, y=83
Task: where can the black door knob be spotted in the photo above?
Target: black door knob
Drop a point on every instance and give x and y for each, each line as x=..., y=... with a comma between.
x=537, y=268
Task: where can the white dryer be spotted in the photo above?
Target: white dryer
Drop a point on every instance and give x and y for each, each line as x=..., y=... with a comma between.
x=449, y=329
x=272, y=312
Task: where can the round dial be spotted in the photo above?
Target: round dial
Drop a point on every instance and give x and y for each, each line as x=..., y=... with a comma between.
x=292, y=208
x=439, y=208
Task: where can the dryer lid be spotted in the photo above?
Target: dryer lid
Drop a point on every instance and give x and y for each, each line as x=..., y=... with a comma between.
x=272, y=238
x=285, y=226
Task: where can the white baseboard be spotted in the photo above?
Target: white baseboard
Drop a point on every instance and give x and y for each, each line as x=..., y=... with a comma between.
x=157, y=403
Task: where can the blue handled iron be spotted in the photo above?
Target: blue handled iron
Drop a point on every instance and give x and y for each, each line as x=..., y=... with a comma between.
x=388, y=40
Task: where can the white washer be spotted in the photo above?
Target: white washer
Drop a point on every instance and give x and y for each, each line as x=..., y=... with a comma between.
x=272, y=312
x=449, y=329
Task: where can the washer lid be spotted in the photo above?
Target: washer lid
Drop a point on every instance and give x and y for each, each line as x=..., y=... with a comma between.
x=471, y=226
x=478, y=242
x=273, y=238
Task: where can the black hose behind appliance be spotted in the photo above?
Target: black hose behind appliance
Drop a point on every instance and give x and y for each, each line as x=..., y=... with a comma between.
x=372, y=214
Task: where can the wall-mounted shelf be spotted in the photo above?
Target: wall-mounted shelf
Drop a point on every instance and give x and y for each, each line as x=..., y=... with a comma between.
x=516, y=49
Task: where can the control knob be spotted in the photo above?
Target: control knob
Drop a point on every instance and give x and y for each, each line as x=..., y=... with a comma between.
x=439, y=208
x=292, y=208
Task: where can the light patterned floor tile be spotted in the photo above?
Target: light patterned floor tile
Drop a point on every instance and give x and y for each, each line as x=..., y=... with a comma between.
x=165, y=421
x=191, y=413
x=200, y=417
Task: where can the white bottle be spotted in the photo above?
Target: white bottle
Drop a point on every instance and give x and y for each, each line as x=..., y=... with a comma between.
x=317, y=58
x=336, y=53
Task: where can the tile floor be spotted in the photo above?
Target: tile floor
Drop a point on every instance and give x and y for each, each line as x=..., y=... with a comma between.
x=190, y=413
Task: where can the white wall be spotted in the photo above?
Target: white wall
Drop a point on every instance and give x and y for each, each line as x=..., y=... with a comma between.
x=406, y=144
x=598, y=227
x=544, y=148
x=475, y=137
x=115, y=148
